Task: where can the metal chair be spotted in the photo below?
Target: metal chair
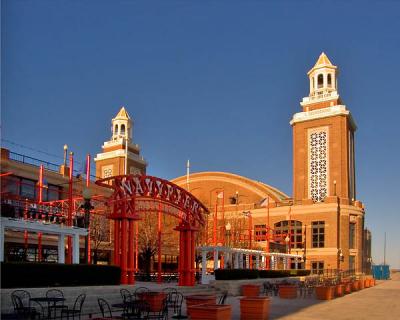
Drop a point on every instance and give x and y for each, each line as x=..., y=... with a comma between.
x=222, y=298
x=21, y=301
x=140, y=290
x=76, y=311
x=170, y=296
x=105, y=309
x=54, y=293
x=178, y=300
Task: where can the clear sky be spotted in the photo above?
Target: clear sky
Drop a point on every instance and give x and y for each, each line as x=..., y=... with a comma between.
x=213, y=81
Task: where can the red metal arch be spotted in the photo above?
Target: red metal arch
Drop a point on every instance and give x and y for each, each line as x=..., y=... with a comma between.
x=129, y=191
x=127, y=188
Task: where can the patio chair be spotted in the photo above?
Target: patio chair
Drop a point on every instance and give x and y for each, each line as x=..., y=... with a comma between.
x=170, y=296
x=105, y=309
x=222, y=298
x=178, y=300
x=54, y=293
x=76, y=311
x=21, y=301
x=140, y=290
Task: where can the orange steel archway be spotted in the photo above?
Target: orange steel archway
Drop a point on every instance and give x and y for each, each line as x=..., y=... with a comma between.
x=137, y=194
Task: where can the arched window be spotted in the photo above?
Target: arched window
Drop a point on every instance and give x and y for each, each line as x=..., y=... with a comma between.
x=320, y=81
x=122, y=131
x=282, y=229
x=329, y=80
x=313, y=83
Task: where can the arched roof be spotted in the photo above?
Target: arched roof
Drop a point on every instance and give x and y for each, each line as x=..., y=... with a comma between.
x=204, y=184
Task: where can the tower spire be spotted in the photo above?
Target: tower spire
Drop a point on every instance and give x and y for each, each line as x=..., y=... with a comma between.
x=323, y=85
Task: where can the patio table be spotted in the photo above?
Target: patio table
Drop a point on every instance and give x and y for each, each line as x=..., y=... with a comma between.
x=51, y=302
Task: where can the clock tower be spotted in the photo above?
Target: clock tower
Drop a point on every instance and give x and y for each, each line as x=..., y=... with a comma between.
x=323, y=140
x=120, y=155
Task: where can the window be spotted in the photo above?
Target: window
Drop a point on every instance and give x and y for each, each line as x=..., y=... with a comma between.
x=107, y=171
x=352, y=262
x=318, y=234
x=116, y=129
x=296, y=235
x=260, y=232
x=53, y=193
x=320, y=81
x=317, y=267
x=122, y=131
x=28, y=189
x=352, y=235
x=329, y=80
x=318, y=164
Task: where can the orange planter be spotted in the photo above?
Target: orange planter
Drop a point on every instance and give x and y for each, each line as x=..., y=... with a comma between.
x=325, y=292
x=154, y=299
x=347, y=287
x=339, y=290
x=250, y=290
x=199, y=299
x=354, y=286
x=367, y=283
x=361, y=284
x=254, y=308
x=210, y=312
x=287, y=291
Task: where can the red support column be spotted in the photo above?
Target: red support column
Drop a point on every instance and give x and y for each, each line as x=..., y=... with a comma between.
x=70, y=204
x=188, y=256
x=40, y=247
x=136, y=246
x=159, y=278
x=131, y=253
x=116, y=243
x=181, y=260
x=192, y=260
x=124, y=260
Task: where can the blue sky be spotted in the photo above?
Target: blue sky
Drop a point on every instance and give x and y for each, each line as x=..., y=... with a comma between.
x=213, y=81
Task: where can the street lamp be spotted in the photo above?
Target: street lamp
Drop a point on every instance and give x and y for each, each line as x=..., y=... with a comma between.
x=87, y=206
x=340, y=257
x=228, y=233
x=287, y=240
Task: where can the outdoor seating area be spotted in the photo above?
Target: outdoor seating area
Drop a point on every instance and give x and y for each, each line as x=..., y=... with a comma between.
x=50, y=306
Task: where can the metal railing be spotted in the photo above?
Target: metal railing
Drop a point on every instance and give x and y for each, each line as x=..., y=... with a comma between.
x=33, y=161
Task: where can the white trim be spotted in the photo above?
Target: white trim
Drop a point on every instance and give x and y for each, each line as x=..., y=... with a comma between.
x=120, y=153
x=323, y=113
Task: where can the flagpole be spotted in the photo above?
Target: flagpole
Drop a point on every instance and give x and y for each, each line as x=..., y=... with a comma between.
x=126, y=155
x=187, y=174
x=268, y=235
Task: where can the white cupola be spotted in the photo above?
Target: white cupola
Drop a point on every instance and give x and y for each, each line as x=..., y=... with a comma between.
x=121, y=126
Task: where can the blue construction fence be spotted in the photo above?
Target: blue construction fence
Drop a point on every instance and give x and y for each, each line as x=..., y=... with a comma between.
x=381, y=272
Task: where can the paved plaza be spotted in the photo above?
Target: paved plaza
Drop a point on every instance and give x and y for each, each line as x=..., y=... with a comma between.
x=379, y=302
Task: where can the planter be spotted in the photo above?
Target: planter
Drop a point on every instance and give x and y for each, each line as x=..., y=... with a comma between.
x=210, y=312
x=250, y=290
x=154, y=299
x=254, y=308
x=325, y=292
x=361, y=284
x=367, y=283
x=339, y=290
x=347, y=287
x=287, y=291
x=354, y=286
x=195, y=300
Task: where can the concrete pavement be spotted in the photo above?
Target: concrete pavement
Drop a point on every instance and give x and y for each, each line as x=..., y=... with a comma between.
x=379, y=302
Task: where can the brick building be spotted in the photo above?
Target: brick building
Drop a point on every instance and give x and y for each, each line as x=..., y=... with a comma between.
x=324, y=218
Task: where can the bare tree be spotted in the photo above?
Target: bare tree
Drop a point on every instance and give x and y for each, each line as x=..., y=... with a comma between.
x=99, y=235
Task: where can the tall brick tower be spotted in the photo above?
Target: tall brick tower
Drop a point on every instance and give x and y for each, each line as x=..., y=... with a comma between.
x=323, y=140
x=120, y=155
